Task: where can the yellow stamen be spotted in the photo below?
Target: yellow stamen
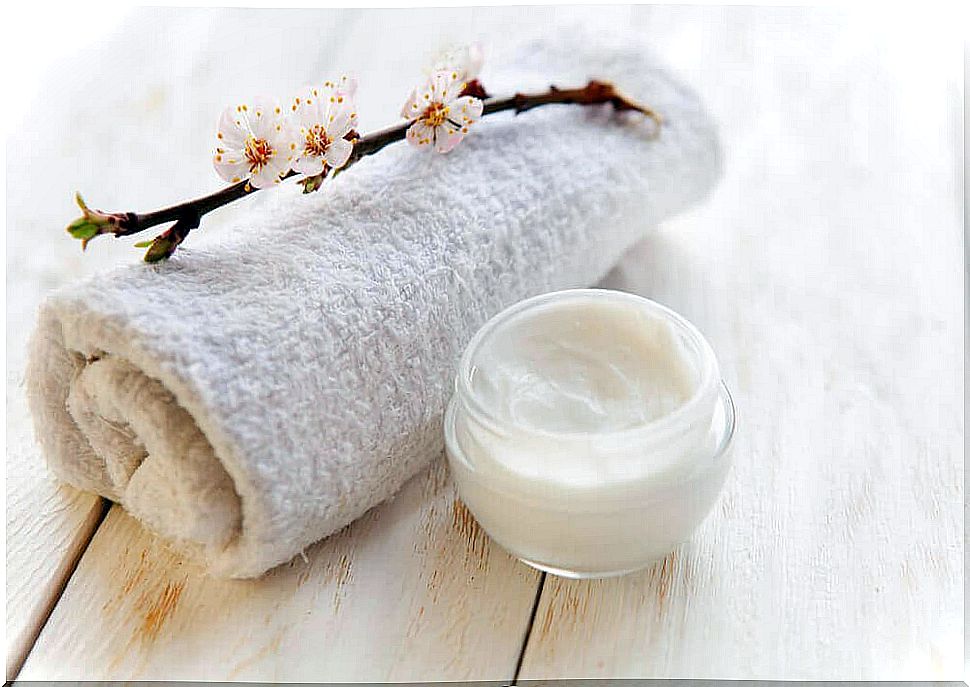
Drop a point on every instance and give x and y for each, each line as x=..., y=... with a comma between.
x=317, y=140
x=434, y=115
x=258, y=153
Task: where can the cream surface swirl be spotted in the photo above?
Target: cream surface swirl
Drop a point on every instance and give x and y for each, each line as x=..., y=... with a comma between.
x=588, y=430
x=582, y=366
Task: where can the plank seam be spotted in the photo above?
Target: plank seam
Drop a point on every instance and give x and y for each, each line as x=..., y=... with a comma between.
x=55, y=598
x=528, y=629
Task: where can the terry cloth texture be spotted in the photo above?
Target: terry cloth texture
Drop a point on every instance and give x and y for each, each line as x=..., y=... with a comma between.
x=246, y=400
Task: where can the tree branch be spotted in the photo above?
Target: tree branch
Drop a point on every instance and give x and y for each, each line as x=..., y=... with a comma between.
x=188, y=215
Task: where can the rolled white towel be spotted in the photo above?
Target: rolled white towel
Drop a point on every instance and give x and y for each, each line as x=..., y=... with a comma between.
x=248, y=399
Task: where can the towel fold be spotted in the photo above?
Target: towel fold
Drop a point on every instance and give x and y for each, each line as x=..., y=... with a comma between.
x=246, y=400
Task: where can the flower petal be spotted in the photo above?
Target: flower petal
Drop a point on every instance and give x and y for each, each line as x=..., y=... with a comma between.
x=338, y=153
x=228, y=132
x=411, y=109
x=315, y=105
x=231, y=166
x=447, y=138
x=465, y=110
x=341, y=118
x=420, y=134
x=305, y=109
x=241, y=119
x=287, y=139
x=445, y=85
x=308, y=164
x=465, y=59
x=265, y=117
x=264, y=178
x=272, y=172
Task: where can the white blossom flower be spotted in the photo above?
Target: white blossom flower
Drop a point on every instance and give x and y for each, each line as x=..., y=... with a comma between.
x=324, y=116
x=255, y=142
x=441, y=115
x=467, y=60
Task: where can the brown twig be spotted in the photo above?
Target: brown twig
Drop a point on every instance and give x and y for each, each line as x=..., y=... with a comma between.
x=188, y=215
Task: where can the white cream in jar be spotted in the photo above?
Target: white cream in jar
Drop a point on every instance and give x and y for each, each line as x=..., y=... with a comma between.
x=589, y=431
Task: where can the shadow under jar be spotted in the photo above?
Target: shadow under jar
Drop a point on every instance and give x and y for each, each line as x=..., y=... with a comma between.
x=589, y=432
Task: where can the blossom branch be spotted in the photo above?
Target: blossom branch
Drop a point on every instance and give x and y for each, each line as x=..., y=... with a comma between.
x=188, y=215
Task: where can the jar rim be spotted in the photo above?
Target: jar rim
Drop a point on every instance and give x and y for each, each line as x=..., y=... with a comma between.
x=720, y=452
x=705, y=390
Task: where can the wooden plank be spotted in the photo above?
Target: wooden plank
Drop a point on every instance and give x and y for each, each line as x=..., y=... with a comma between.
x=827, y=272
x=47, y=528
x=413, y=591
x=47, y=524
x=134, y=146
x=58, y=150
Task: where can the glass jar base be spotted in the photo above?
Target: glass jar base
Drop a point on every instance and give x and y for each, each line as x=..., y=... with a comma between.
x=583, y=575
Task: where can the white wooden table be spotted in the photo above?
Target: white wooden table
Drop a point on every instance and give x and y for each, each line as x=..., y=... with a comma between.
x=827, y=271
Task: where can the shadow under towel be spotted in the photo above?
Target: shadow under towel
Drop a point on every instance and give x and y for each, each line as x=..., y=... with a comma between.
x=245, y=400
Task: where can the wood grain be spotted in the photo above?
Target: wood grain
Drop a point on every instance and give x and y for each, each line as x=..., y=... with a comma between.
x=413, y=591
x=827, y=272
x=47, y=528
x=136, y=136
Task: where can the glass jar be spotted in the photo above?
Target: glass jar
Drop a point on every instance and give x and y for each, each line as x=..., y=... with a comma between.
x=595, y=486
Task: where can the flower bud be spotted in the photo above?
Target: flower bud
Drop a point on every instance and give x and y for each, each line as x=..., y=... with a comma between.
x=93, y=223
x=165, y=243
x=314, y=182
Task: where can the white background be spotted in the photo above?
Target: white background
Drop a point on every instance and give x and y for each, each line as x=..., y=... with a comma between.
x=827, y=270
